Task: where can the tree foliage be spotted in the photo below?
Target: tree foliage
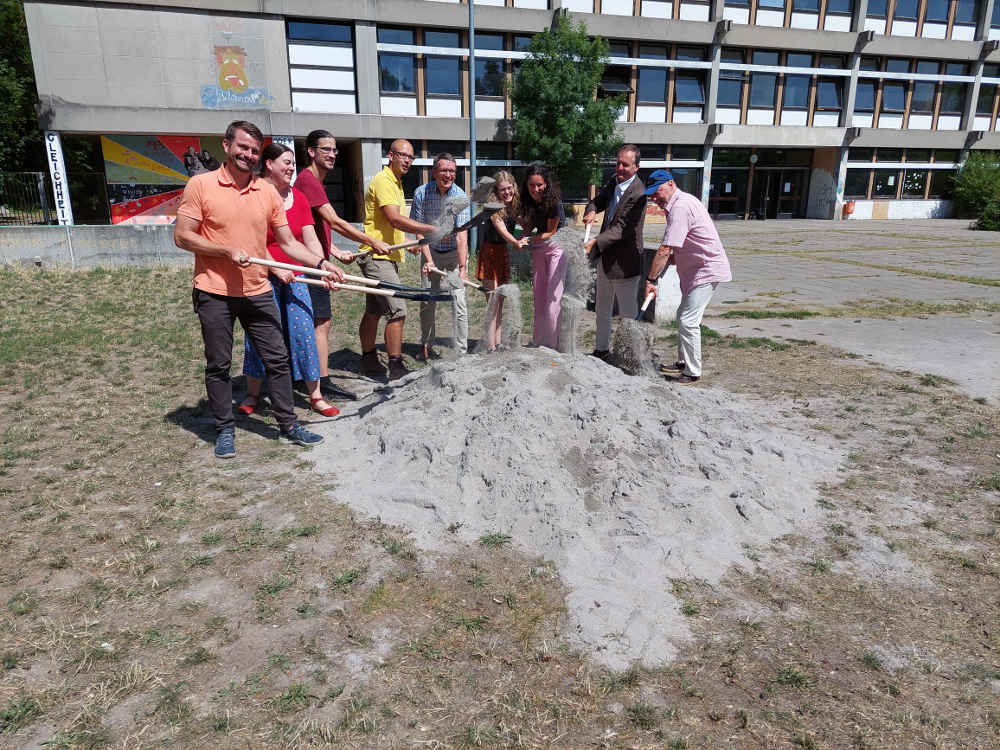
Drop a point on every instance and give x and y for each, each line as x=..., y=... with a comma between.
x=20, y=138
x=557, y=118
x=977, y=183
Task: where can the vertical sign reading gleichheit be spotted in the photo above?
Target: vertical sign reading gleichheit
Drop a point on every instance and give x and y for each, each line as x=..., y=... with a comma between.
x=57, y=170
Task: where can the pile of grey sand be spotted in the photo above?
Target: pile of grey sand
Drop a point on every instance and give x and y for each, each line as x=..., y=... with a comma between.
x=624, y=483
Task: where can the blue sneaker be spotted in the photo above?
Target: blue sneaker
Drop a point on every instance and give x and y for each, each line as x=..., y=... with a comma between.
x=301, y=436
x=225, y=443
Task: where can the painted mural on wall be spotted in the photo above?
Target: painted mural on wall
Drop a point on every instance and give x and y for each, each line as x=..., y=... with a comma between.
x=232, y=88
x=146, y=174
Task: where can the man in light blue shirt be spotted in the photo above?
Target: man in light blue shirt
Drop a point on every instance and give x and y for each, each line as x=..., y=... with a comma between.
x=449, y=254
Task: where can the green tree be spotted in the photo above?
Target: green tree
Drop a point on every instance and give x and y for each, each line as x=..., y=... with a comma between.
x=20, y=138
x=557, y=118
x=977, y=183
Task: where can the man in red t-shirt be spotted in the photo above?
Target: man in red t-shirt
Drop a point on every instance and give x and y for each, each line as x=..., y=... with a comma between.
x=322, y=149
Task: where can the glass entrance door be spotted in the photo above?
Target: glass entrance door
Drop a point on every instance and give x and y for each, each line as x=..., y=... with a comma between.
x=778, y=193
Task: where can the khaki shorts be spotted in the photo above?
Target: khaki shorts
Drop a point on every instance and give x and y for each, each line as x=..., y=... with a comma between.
x=390, y=308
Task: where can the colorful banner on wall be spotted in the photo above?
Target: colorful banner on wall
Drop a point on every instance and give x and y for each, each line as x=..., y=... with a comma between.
x=146, y=174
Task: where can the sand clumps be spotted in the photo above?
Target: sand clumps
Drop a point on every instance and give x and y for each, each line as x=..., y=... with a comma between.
x=624, y=483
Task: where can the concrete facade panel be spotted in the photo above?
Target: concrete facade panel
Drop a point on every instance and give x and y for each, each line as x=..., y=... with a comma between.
x=489, y=108
x=760, y=117
x=736, y=15
x=687, y=114
x=826, y=120
x=656, y=9
x=616, y=7
x=693, y=12
x=904, y=28
x=309, y=78
x=70, y=68
x=650, y=113
x=981, y=123
x=875, y=24
x=890, y=122
x=795, y=118
x=727, y=115
x=837, y=23
x=313, y=101
x=949, y=122
x=774, y=18
x=805, y=21
x=920, y=122
x=444, y=108
x=934, y=30
x=398, y=105
x=314, y=54
x=822, y=198
x=134, y=48
x=965, y=33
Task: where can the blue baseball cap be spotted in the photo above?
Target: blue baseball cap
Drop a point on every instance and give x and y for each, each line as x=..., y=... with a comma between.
x=656, y=179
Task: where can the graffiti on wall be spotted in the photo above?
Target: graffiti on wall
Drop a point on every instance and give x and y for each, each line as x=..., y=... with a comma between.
x=146, y=174
x=232, y=89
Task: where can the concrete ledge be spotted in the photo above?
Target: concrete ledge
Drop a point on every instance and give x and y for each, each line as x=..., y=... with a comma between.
x=90, y=246
x=106, y=246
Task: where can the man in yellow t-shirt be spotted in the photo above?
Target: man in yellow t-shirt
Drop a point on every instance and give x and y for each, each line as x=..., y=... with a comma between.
x=384, y=220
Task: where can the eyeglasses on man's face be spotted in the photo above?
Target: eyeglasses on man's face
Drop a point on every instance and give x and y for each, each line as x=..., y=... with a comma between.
x=401, y=155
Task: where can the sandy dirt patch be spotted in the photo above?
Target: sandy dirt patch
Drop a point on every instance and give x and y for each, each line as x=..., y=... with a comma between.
x=625, y=483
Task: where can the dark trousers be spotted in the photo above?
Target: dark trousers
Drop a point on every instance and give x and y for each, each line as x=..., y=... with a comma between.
x=260, y=319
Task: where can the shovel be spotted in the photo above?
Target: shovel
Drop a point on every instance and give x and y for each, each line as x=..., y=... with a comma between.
x=364, y=285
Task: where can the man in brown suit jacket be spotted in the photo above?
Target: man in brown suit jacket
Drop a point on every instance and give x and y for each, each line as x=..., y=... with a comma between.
x=618, y=247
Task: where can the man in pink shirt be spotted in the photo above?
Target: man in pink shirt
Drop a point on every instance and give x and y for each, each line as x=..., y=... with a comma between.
x=693, y=244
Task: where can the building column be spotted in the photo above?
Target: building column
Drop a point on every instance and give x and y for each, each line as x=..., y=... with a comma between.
x=969, y=111
x=366, y=70
x=60, y=181
x=706, y=173
x=716, y=10
x=858, y=18
x=985, y=17
x=841, y=176
x=847, y=113
x=371, y=159
x=712, y=85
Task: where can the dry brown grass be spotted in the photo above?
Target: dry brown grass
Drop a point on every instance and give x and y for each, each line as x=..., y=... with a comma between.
x=152, y=597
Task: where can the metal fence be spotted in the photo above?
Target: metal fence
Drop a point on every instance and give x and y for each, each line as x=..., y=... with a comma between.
x=24, y=199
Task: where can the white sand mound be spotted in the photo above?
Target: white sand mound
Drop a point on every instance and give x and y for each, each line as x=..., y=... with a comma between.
x=624, y=483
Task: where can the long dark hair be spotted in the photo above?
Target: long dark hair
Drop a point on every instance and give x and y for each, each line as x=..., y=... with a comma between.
x=551, y=198
x=271, y=152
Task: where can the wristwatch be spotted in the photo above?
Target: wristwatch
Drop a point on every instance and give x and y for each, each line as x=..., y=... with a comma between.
x=321, y=262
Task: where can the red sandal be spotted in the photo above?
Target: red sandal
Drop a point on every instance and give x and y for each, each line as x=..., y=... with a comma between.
x=249, y=408
x=330, y=411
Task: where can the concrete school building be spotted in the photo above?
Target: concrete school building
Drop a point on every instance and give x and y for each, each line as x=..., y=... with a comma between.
x=764, y=108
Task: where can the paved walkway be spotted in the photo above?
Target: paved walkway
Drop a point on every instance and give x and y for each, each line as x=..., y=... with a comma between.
x=849, y=269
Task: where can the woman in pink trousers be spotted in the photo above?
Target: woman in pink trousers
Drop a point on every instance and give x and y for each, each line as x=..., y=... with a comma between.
x=539, y=216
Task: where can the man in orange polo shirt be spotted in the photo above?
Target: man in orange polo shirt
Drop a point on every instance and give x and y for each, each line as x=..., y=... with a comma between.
x=223, y=219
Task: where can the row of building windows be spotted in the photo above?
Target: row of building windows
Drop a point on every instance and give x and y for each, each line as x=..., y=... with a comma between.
x=660, y=83
x=895, y=173
x=945, y=19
